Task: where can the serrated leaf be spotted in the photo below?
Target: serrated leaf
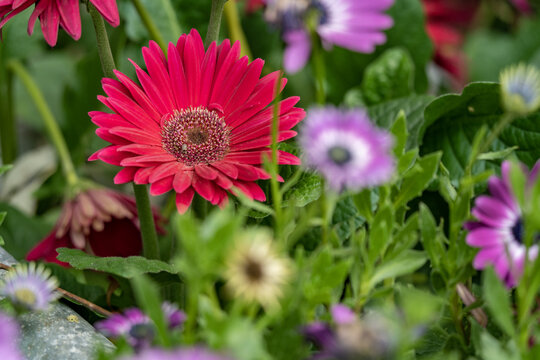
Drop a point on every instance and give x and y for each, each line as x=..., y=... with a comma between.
x=386, y=113
x=307, y=189
x=389, y=77
x=456, y=118
x=497, y=300
x=128, y=267
x=405, y=263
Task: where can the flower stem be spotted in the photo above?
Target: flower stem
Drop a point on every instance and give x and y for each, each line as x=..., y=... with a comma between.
x=103, y=45
x=48, y=119
x=274, y=185
x=8, y=136
x=150, y=24
x=319, y=69
x=215, y=22
x=144, y=211
x=505, y=120
x=236, y=33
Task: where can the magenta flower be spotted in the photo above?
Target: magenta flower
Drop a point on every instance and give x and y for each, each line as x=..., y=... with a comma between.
x=30, y=287
x=523, y=6
x=346, y=148
x=9, y=334
x=199, y=122
x=55, y=13
x=356, y=25
x=136, y=327
x=178, y=354
x=499, y=229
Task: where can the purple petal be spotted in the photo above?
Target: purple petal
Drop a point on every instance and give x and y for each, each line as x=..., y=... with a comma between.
x=297, y=51
x=342, y=314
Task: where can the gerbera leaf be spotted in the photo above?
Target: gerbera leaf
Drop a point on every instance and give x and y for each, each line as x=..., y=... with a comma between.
x=127, y=267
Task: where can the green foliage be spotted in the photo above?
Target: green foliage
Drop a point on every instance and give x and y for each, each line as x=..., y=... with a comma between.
x=455, y=119
x=389, y=77
x=128, y=267
x=498, y=301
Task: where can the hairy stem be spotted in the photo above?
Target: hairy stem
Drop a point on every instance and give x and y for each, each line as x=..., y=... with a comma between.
x=144, y=210
x=215, y=22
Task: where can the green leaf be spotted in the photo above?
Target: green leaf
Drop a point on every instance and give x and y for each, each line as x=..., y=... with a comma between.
x=493, y=349
x=21, y=232
x=431, y=240
x=416, y=315
x=148, y=298
x=128, y=267
x=497, y=299
x=389, y=77
x=455, y=119
x=160, y=11
x=326, y=278
x=405, y=263
x=381, y=232
x=418, y=178
x=385, y=114
x=307, y=189
x=400, y=132
x=4, y=168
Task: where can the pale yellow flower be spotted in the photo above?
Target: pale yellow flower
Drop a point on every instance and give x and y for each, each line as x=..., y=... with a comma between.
x=256, y=272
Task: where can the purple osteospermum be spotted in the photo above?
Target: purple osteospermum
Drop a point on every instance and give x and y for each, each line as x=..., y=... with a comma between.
x=133, y=325
x=179, y=354
x=174, y=316
x=346, y=148
x=9, y=332
x=499, y=229
x=30, y=287
x=356, y=25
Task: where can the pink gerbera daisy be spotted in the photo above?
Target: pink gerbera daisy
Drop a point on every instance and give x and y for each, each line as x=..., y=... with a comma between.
x=54, y=13
x=199, y=122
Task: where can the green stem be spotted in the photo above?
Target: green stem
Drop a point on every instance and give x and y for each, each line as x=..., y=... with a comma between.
x=8, y=136
x=274, y=185
x=215, y=22
x=236, y=33
x=144, y=210
x=103, y=45
x=317, y=59
x=150, y=24
x=48, y=119
x=505, y=120
x=146, y=219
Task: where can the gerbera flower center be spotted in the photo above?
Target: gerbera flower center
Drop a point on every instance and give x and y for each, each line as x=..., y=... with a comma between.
x=339, y=155
x=253, y=270
x=25, y=296
x=195, y=136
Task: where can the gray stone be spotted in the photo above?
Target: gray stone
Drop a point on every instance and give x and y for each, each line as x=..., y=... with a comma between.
x=58, y=333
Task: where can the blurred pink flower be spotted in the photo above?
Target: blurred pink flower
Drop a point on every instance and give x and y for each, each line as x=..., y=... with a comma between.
x=55, y=13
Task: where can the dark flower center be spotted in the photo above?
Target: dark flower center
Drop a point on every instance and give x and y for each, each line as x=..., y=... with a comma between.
x=143, y=333
x=253, y=270
x=517, y=230
x=322, y=11
x=195, y=136
x=339, y=155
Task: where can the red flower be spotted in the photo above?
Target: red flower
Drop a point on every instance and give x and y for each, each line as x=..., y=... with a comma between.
x=54, y=13
x=447, y=20
x=199, y=122
x=254, y=5
x=99, y=221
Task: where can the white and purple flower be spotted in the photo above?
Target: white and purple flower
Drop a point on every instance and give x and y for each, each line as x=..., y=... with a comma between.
x=346, y=148
x=30, y=287
x=136, y=327
x=499, y=229
x=9, y=333
x=356, y=25
x=196, y=353
x=520, y=89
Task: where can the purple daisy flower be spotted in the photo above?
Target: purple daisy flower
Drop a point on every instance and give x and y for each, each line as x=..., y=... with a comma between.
x=356, y=25
x=350, y=338
x=178, y=354
x=9, y=333
x=30, y=287
x=346, y=148
x=136, y=327
x=499, y=229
